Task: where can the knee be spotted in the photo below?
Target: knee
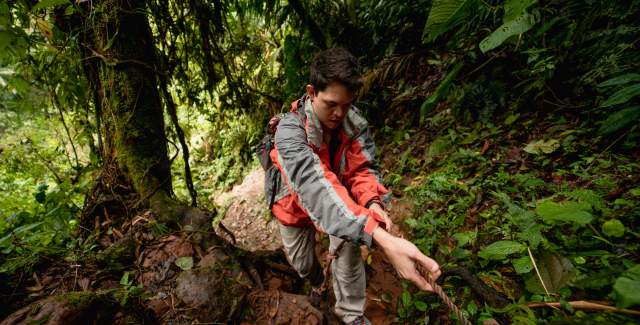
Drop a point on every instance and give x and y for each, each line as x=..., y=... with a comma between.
x=349, y=258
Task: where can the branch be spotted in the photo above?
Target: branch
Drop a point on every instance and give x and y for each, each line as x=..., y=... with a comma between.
x=586, y=305
x=171, y=108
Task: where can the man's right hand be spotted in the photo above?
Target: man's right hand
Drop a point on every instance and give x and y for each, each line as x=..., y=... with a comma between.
x=404, y=255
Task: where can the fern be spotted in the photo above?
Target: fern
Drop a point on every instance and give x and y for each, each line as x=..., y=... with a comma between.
x=446, y=14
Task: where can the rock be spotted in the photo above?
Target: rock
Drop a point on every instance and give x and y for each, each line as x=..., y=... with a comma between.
x=214, y=295
x=84, y=307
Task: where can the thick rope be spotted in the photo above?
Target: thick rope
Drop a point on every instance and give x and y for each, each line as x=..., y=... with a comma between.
x=440, y=292
x=436, y=288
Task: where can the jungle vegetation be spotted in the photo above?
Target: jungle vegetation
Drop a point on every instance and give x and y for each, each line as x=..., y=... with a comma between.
x=510, y=126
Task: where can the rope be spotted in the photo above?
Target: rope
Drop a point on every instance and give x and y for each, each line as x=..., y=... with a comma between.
x=440, y=292
x=436, y=288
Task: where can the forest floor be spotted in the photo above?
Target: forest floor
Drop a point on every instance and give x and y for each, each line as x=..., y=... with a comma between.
x=254, y=229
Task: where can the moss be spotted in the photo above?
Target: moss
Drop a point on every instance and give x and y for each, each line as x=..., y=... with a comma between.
x=120, y=251
x=35, y=308
x=43, y=320
x=77, y=298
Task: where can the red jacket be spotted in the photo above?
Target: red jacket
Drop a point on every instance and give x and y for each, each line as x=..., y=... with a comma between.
x=313, y=188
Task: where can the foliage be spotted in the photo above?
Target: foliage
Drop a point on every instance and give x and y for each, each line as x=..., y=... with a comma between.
x=511, y=125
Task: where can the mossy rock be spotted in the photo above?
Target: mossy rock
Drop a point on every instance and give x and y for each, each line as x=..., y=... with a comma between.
x=82, y=307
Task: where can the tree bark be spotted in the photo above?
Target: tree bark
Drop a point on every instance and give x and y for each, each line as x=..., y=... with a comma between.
x=131, y=114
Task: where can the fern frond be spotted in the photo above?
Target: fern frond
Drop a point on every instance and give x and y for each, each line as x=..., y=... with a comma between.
x=446, y=14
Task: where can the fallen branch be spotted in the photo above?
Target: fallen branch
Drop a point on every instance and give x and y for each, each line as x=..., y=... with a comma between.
x=586, y=305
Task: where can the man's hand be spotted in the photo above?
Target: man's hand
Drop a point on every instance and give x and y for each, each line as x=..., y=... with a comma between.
x=404, y=255
x=380, y=211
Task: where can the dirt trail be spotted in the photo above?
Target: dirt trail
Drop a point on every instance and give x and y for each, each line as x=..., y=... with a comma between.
x=248, y=219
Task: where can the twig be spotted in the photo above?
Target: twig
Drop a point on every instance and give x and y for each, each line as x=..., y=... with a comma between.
x=538, y=272
x=587, y=305
x=56, y=103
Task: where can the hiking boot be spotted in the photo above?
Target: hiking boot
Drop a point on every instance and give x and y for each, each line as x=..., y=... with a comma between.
x=361, y=320
x=316, y=297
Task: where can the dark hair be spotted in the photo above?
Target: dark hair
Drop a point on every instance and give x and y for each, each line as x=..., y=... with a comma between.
x=336, y=64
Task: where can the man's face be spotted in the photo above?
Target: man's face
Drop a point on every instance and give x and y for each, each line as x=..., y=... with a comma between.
x=332, y=104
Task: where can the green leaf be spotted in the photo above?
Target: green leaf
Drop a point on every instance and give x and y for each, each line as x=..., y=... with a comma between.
x=511, y=118
x=185, y=262
x=472, y=308
x=568, y=211
x=527, y=221
x=124, y=280
x=446, y=14
x=406, y=298
x=6, y=38
x=542, y=147
x=627, y=288
x=513, y=9
x=421, y=306
x=622, y=96
x=556, y=271
x=500, y=250
x=613, y=228
x=588, y=197
x=43, y=4
x=627, y=292
x=464, y=238
x=433, y=100
x=517, y=26
x=522, y=264
x=620, y=80
x=620, y=120
x=27, y=227
x=5, y=15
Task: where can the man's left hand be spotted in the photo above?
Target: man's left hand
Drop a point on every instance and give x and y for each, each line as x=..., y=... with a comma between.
x=377, y=208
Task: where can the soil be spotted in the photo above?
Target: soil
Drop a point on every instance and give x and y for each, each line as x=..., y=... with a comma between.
x=248, y=219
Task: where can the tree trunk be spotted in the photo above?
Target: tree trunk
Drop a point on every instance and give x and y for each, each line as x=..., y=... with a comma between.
x=120, y=43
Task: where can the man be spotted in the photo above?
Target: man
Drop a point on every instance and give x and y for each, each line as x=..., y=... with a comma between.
x=325, y=179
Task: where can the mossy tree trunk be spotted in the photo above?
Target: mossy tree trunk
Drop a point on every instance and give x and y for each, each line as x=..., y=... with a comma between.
x=131, y=118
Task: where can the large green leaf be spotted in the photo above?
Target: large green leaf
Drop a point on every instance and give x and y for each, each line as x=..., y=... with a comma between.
x=500, y=250
x=513, y=9
x=433, y=100
x=620, y=80
x=568, y=211
x=556, y=271
x=622, y=96
x=444, y=15
x=620, y=120
x=522, y=264
x=517, y=26
x=627, y=288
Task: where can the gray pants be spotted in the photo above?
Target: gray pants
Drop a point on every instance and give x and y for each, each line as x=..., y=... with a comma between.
x=349, y=279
